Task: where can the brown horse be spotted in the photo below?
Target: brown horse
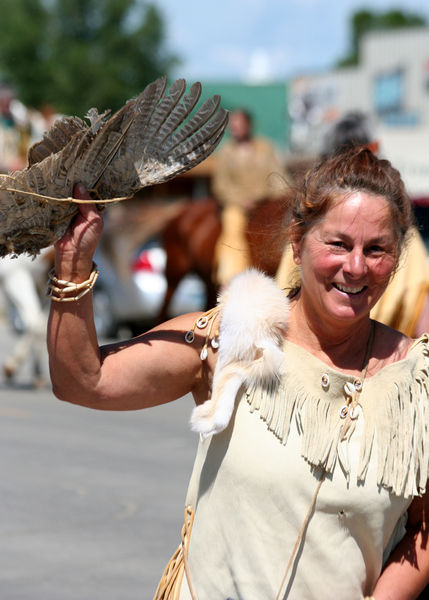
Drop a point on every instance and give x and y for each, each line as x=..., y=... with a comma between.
x=190, y=240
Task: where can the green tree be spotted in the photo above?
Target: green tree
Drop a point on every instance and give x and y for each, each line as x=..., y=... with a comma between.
x=74, y=54
x=364, y=21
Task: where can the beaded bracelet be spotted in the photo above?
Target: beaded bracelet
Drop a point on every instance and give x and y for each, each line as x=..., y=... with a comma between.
x=61, y=290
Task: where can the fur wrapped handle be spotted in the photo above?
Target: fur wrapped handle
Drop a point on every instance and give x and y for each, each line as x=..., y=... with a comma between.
x=253, y=320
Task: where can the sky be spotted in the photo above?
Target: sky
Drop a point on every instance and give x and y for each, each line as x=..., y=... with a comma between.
x=263, y=40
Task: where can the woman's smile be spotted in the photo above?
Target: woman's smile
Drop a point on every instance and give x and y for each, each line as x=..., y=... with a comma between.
x=349, y=290
x=347, y=258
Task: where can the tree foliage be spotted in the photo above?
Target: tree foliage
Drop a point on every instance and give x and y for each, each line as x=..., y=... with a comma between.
x=365, y=21
x=74, y=54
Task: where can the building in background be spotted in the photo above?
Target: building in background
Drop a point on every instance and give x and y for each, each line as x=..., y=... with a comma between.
x=391, y=85
x=268, y=105
x=266, y=102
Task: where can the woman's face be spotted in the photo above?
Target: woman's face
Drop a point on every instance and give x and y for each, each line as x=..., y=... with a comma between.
x=239, y=126
x=347, y=258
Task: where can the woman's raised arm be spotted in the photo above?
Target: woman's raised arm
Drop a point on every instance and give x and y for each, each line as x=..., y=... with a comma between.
x=151, y=369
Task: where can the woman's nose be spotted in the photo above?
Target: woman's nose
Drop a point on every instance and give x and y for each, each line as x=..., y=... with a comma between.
x=355, y=264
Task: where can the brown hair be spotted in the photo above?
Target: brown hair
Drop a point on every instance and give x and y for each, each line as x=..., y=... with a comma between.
x=356, y=169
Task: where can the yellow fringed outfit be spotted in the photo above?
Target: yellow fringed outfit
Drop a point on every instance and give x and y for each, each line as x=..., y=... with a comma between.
x=244, y=174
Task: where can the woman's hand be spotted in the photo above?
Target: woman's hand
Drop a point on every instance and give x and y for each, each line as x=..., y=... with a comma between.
x=75, y=250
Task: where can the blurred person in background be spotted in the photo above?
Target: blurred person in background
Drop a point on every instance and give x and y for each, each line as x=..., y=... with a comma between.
x=20, y=128
x=353, y=129
x=244, y=175
x=405, y=303
x=18, y=281
x=10, y=133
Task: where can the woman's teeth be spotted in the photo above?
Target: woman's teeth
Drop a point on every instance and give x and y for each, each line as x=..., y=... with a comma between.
x=349, y=290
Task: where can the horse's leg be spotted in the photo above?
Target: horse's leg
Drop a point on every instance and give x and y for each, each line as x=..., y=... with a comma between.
x=211, y=294
x=176, y=267
x=163, y=313
x=173, y=277
x=203, y=248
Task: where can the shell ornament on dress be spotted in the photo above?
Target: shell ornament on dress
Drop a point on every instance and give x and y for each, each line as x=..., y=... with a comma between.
x=151, y=139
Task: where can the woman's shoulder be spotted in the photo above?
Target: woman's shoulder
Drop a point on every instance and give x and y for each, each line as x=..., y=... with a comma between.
x=392, y=346
x=193, y=335
x=199, y=331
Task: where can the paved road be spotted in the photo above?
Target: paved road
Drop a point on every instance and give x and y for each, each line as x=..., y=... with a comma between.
x=91, y=503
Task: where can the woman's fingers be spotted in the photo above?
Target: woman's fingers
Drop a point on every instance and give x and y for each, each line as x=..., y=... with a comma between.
x=80, y=192
x=89, y=214
x=75, y=250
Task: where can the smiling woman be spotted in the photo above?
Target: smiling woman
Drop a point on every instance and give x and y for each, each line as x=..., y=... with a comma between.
x=351, y=216
x=314, y=414
x=352, y=255
x=348, y=226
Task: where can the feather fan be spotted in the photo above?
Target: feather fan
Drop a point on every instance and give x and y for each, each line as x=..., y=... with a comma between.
x=150, y=140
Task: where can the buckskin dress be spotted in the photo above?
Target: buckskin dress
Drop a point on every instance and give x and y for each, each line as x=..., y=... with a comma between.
x=253, y=482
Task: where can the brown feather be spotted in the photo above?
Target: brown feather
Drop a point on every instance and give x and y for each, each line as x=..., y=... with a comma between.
x=151, y=139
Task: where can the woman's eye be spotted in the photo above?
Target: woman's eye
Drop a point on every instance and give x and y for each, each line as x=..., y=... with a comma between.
x=337, y=244
x=375, y=250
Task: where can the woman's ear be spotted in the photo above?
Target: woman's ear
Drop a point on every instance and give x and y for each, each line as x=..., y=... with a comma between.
x=296, y=250
x=295, y=241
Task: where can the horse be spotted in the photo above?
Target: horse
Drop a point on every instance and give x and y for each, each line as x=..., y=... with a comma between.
x=190, y=239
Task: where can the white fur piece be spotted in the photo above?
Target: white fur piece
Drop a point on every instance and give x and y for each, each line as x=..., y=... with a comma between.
x=254, y=316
